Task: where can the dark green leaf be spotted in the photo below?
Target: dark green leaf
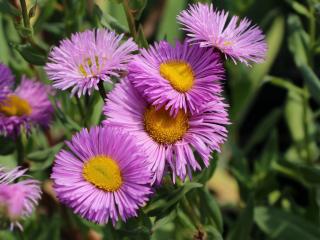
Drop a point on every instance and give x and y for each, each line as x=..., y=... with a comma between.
x=278, y=224
x=298, y=40
x=242, y=229
x=7, y=8
x=312, y=81
x=137, y=7
x=31, y=54
x=210, y=208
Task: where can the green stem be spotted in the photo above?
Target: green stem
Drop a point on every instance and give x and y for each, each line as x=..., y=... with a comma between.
x=130, y=19
x=20, y=150
x=25, y=15
x=102, y=91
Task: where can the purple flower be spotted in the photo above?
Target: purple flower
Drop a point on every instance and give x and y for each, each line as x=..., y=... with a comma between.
x=17, y=198
x=168, y=141
x=88, y=58
x=27, y=105
x=238, y=39
x=180, y=77
x=103, y=176
x=6, y=81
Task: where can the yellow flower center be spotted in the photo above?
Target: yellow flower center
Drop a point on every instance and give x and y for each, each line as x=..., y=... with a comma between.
x=227, y=43
x=179, y=74
x=103, y=172
x=15, y=106
x=164, y=128
x=88, y=62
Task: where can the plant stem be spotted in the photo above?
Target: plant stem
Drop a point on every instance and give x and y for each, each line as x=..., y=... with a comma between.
x=130, y=19
x=25, y=15
x=20, y=150
x=102, y=91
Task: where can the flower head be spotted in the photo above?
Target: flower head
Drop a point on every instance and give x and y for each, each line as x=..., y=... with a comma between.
x=168, y=141
x=6, y=81
x=237, y=39
x=180, y=77
x=27, y=105
x=88, y=58
x=17, y=198
x=103, y=176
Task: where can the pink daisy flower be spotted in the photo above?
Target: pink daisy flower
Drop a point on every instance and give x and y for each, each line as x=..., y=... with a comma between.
x=27, y=105
x=168, y=141
x=103, y=176
x=88, y=58
x=238, y=39
x=17, y=198
x=180, y=77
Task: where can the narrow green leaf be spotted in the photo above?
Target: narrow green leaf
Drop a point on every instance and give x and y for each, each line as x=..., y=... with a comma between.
x=211, y=208
x=278, y=224
x=7, y=8
x=31, y=54
x=312, y=81
x=299, y=8
x=242, y=229
x=298, y=40
x=141, y=39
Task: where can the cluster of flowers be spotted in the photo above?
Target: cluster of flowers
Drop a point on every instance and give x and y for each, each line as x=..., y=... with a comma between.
x=167, y=106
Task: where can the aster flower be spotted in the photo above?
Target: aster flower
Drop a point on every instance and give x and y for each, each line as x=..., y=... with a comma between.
x=103, y=176
x=180, y=77
x=6, y=81
x=27, y=105
x=168, y=141
x=238, y=39
x=17, y=198
x=88, y=58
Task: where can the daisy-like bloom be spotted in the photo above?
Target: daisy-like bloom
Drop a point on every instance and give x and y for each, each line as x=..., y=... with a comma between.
x=27, y=105
x=168, y=141
x=88, y=58
x=180, y=77
x=238, y=39
x=18, y=199
x=6, y=81
x=103, y=176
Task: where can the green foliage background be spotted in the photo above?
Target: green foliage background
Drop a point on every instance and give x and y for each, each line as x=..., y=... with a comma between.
x=270, y=164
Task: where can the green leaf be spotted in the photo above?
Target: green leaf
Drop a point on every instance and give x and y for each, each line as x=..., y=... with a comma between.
x=285, y=84
x=242, y=228
x=7, y=8
x=141, y=39
x=7, y=146
x=165, y=220
x=210, y=209
x=165, y=202
x=312, y=81
x=137, y=7
x=31, y=54
x=213, y=233
x=278, y=224
x=32, y=11
x=299, y=8
x=42, y=155
x=298, y=40
x=43, y=159
x=309, y=175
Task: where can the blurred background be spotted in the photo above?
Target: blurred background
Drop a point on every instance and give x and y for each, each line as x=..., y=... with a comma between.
x=264, y=184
